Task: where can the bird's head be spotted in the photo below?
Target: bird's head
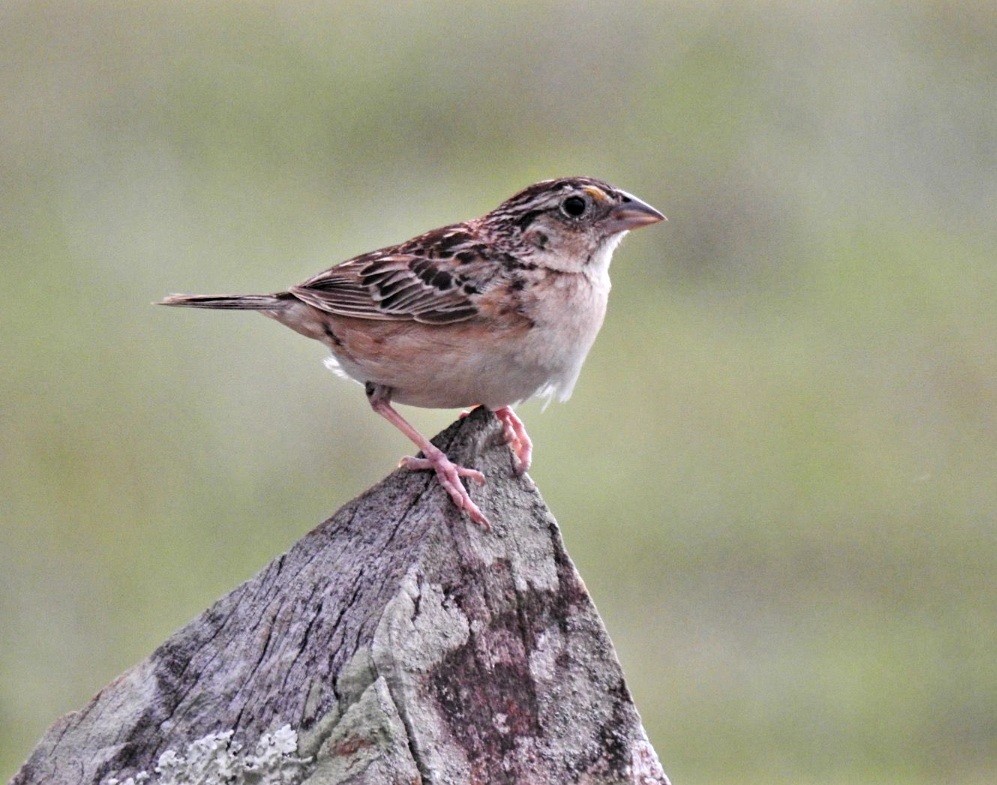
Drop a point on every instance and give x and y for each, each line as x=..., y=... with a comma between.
x=571, y=222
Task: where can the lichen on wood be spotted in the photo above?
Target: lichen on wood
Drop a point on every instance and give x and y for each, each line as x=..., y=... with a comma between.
x=399, y=642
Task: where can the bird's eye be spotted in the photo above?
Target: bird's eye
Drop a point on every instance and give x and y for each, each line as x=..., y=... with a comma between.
x=573, y=207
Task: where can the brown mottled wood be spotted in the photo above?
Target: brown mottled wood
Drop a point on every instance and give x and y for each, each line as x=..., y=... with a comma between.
x=402, y=642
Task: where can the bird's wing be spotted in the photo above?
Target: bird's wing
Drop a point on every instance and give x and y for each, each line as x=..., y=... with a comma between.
x=429, y=279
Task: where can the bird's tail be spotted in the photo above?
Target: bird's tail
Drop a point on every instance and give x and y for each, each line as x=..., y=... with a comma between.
x=231, y=302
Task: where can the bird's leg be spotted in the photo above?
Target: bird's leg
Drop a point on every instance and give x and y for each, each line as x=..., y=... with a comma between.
x=517, y=438
x=447, y=472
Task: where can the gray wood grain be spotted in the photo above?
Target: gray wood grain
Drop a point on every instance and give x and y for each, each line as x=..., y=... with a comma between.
x=401, y=642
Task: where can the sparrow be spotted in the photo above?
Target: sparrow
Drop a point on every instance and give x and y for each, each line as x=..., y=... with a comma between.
x=489, y=312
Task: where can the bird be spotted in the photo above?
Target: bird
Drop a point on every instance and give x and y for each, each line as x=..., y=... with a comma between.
x=487, y=312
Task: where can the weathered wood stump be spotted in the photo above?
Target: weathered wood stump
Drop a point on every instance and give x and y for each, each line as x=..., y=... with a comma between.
x=398, y=641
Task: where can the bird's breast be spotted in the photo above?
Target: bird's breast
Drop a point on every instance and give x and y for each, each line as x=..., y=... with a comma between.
x=491, y=362
x=567, y=320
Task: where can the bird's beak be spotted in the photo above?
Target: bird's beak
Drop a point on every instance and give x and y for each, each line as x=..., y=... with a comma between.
x=632, y=213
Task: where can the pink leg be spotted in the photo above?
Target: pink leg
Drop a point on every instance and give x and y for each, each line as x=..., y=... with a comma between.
x=517, y=438
x=447, y=472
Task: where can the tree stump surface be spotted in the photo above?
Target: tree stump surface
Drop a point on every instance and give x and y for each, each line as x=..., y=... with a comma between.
x=398, y=642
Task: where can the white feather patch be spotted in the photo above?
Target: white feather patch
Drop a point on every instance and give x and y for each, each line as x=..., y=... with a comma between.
x=333, y=365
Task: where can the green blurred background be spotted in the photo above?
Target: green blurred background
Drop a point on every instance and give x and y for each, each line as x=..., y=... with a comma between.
x=777, y=474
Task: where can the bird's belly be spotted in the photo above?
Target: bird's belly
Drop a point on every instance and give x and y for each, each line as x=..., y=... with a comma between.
x=450, y=378
x=454, y=368
x=492, y=363
x=461, y=387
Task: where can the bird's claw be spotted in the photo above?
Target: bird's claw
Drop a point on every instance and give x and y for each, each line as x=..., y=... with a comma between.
x=449, y=473
x=516, y=437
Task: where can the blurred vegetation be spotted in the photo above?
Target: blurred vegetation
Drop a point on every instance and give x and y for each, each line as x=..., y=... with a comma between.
x=777, y=474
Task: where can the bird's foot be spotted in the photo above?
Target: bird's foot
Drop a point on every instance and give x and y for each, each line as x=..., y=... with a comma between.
x=517, y=439
x=449, y=473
